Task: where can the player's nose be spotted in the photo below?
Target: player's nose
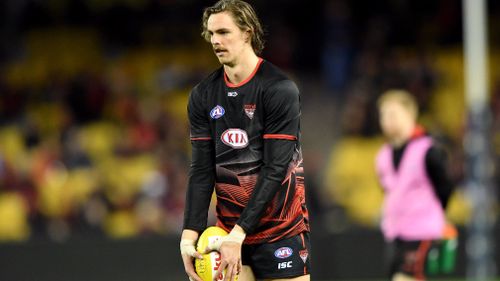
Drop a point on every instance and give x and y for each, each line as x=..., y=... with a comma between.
x=215, y=40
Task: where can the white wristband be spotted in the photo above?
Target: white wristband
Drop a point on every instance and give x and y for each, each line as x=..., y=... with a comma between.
x=233, y=236
x=187, y=247
x=236, y=236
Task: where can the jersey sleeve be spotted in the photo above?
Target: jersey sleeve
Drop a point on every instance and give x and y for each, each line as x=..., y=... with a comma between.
x=282, y=108
x=280, y=143
x=201, y=178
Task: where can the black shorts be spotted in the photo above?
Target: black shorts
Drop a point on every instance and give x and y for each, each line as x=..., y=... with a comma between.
x=287, y=258
x=409, y=257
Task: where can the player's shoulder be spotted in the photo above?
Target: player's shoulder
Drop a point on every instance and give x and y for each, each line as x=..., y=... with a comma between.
x=272, y=74
x=276, y=80
x=208, y=82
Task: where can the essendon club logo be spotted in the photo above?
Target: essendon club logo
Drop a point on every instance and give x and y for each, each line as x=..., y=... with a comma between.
x=235, y=138
x=304, y=254
x=249, y=110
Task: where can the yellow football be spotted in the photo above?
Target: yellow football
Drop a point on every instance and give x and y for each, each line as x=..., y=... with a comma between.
x=208, y=266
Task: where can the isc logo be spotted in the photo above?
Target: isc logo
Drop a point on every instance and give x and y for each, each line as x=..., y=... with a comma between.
x=285, y=264
x=235, y=138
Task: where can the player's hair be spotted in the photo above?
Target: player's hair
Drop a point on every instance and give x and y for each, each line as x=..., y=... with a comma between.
x=244, y=16
x=403, y=97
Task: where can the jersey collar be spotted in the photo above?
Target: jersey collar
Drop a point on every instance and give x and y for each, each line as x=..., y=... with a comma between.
x=231, y=85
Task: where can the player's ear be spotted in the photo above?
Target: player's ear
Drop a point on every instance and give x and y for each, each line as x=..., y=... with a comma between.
x=247, y=35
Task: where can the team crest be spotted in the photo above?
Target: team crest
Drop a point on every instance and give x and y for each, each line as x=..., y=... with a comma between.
x=249, y=110
x=304, y=254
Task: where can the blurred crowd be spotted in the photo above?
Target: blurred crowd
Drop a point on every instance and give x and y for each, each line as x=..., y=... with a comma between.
x=102, y=150
x=93, y=126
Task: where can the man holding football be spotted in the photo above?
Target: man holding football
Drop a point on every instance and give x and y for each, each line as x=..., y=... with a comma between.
x=245, y=132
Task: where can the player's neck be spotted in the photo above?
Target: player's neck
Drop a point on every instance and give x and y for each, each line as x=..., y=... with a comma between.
x=242, y=69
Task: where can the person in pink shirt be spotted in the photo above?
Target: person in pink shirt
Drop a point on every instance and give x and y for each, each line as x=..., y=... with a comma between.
x=411, y=168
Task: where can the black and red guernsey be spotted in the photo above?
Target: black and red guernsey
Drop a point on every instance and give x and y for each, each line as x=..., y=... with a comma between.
x=245, y=143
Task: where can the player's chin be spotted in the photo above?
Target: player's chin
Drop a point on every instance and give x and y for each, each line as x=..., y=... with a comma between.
x=224, y=60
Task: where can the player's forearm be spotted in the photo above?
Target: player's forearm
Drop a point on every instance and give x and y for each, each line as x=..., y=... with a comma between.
x=197, y=205
x=201, y=183
x=258, y=203
x=277, y=157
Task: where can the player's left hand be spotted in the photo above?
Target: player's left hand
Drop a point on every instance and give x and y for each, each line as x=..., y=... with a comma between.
x=229, y=248
x=230, y=253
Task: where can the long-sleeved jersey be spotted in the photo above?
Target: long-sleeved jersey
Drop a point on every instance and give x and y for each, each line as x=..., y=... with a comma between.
x=245, y=144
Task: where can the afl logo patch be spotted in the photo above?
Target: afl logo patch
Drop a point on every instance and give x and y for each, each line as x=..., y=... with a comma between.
x=235, y=138
x=217, y=112
x=283, y=252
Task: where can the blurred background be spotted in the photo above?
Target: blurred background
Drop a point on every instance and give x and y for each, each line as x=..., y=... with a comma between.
x=94, y=140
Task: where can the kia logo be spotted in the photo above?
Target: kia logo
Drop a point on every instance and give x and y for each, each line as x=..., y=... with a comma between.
x=235, y=138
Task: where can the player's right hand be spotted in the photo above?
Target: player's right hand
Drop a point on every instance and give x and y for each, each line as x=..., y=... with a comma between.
x=229, y=247
x=189, y=253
